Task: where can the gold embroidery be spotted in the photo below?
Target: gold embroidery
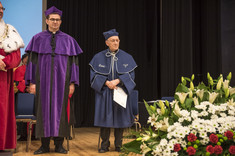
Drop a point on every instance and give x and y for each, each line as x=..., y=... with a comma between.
x=4, y=35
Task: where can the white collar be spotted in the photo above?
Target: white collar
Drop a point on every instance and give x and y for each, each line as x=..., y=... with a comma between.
x=13, y=41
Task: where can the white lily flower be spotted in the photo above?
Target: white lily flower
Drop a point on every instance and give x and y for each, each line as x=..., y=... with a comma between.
x=144, y=149
x=200, y=93
x=159, y=111
x=225, y=84
x=145, y=137
x=182, y=96
x=218, y=86
x=212, y=96
x=157, y=125
x=165, y=124
x=177, y=110
x=231, y=91
x=195, y=100
x=152, y=119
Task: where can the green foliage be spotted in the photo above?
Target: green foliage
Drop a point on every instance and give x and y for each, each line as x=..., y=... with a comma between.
x=150, y=111
x=133, y=146
x=182, y=88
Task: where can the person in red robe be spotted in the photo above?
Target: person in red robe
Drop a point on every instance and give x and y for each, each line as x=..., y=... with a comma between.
x=19, y=74
x=10, y=44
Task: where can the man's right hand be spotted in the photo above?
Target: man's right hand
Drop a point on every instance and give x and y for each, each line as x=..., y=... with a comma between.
x=32, y=88
x=112, y=84
x=2, y=65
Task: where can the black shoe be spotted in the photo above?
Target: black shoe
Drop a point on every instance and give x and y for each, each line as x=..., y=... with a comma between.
x=118, y=149
x=34, y=138
x=70, y=138
x=103, y=150
x=41, y=150
x=22, y=138
x=61, y=150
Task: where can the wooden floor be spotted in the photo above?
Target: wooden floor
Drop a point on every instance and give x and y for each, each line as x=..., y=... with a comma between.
x=85, y=143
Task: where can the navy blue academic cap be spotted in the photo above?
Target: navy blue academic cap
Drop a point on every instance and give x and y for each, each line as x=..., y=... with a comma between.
x=110, y=33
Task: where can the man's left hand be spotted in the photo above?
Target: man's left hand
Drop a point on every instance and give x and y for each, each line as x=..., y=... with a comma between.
x=115, y=82
x=71, y=88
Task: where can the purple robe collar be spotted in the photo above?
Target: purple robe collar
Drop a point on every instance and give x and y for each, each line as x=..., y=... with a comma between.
x=57, y=32
x=65, y=44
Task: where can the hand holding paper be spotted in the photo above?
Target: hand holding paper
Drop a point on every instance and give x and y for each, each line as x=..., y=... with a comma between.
x=120, y=97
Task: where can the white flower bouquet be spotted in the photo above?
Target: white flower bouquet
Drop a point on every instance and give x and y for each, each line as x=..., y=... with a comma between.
x=200, y=121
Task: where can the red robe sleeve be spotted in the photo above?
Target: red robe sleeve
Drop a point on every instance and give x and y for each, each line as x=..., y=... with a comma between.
x=19, y=76
x=12, y=60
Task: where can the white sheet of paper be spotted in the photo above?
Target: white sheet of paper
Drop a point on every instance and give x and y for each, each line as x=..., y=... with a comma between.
x=120, y=96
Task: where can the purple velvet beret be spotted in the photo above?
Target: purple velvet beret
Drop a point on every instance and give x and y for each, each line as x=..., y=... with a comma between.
x=110, y=33
x=53, y=10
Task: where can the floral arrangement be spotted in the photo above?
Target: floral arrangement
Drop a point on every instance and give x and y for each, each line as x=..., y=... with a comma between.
x=200, y=121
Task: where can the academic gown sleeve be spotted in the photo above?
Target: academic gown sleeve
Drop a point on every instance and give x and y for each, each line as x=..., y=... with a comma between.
x=30, y=74
x=128, y=81
x=12, y=60
x=97, y=80
x=74, y=71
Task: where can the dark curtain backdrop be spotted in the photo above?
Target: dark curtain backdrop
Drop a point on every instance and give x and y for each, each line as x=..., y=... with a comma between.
x=190, y=41
x=167, y=38
x=228, y=37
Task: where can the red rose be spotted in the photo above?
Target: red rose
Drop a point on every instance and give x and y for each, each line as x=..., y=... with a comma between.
x=229, y=135
x=232, y=149
x=218, y=149
x=213, y=138
x=177, y=147
x=210, y=149
x=191, y=137
x=191, y=150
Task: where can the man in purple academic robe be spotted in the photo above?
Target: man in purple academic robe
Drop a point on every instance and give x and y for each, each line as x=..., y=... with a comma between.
x=111, y=69
x=52, y=72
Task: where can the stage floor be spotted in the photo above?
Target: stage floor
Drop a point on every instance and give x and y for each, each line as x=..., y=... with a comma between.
x=85, y=143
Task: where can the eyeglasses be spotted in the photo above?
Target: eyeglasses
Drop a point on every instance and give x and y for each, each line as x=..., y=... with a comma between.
x=54, y=19
x=113, y=40
x=1, y=8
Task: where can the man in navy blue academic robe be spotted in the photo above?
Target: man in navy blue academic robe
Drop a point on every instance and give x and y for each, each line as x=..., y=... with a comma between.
x=112, y=68
x=53, y=71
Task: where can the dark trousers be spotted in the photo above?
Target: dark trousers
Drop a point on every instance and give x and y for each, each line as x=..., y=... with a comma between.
x=105, y=134
x=58, y=142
